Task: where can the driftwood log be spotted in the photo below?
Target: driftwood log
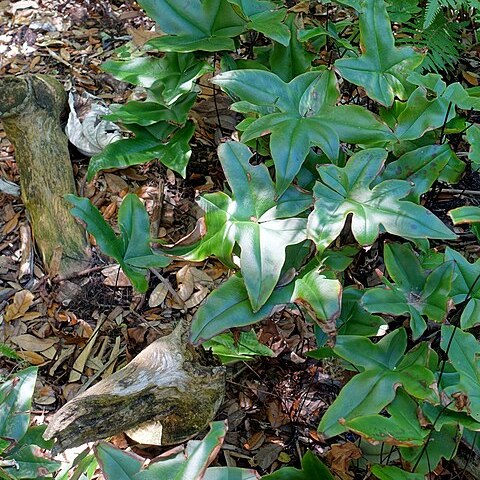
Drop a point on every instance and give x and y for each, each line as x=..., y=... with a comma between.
x=30, y=109
x=165, y=392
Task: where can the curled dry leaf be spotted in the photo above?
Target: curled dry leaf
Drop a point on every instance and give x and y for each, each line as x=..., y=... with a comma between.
x=158, y=295
x=21, y=303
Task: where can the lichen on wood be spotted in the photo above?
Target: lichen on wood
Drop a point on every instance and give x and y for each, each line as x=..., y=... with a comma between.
x=30, y=110
x=166, y=388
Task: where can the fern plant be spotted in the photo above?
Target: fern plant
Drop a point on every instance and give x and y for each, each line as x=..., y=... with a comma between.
x=441, y=38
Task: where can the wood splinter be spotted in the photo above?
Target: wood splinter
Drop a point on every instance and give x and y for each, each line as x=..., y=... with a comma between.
x=164, y=392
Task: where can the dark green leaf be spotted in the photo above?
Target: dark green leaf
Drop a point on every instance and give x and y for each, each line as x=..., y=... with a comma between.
x=466, y=285
x=305, y=115
x=312, y=468
x=30, y=465
x=420, y=167
x=193, y=25
x=174, y=74
x=117, y=464
x=16, y=400
x=384, y=472
x=228, y=306
x=132, y=248
x=239, y=220
x=415, y=291
x=463, y=351
x=383, y=368
x=173, y=153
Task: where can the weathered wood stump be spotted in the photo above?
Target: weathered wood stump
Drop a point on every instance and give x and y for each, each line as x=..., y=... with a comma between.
x=166, y=391
x=30, y=109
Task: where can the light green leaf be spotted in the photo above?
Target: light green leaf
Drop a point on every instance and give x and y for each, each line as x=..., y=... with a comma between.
x=238, y=220
x=305, y=116
x=466, y=214
x=193, y=25
x=132, y=248
x=245, y=347
x=172, y=75
x=421, y=115
x=402, y=428
x=344, y=191
x=473, y=138
x=115, y=463
x=320, y=296
x=173, y=152
x=228, y=306
x=16, y=400
x=203, y=453
x=265, y=17
x=384, y=472
x=382, y=68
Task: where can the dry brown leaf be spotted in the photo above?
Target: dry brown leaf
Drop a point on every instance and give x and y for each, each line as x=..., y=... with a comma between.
x=197, y=297
x=340, y=456
x=185, y=282
x=115, y=183
x=201, y=275
x=275, y=415
x=32, y=357
x=158, y=295
x=31, y=316
x=11, y=225
x=115, y=277
x=267, y=455
x=470, y=77
x=21, y=303
x=45, y=396
x=32, y=343
x=255, y=441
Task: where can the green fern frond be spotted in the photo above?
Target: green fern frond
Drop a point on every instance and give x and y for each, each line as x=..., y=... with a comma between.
x=433, y=7
x=442, y=40
x=431, y=12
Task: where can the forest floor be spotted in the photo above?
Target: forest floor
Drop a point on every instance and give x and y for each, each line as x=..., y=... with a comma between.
x=273, y=405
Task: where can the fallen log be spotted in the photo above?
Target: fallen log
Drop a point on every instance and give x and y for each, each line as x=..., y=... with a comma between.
x=30, y=110
x=165, y=395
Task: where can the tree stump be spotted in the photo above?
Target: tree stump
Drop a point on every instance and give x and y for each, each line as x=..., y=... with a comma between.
x=166, y=391
x=30, y=109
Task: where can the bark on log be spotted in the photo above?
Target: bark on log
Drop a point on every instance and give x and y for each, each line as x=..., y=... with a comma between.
x=30, y=109
x=165, y=385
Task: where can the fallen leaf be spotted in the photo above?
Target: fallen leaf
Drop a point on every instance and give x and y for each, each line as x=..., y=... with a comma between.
x=32, y=343
x=340, y=456
x=275, y=415
x=267, y=455
x=115, y=277
x=255, y=441
x=158, y=295
x=32, y=357
x=21, y=303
